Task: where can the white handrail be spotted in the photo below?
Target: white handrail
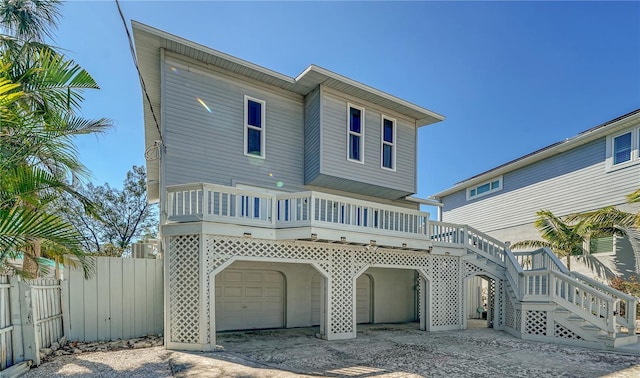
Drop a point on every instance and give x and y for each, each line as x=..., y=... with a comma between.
x=200, y=201
x=629, y=301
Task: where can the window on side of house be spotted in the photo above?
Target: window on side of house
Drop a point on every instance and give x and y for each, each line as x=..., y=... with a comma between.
x=355, y=133
x=602, y=245
x=254, y=127
x=388, y=144
x=622, y=148
x=484, y=188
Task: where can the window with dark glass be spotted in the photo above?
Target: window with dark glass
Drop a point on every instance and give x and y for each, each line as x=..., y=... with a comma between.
x=388, y=143
x=622, y=148
x=484, y=188
x=355, y=134
x=254, y=127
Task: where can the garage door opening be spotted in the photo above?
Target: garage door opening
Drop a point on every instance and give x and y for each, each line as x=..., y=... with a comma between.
x=249, y=299
x=387, y=295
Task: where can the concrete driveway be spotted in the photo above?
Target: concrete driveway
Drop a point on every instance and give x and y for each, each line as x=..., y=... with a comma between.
x=393, y=350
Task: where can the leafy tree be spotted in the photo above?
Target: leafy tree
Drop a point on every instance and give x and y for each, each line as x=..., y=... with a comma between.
x=563, y=238
x=122, y=216
x=38, y=157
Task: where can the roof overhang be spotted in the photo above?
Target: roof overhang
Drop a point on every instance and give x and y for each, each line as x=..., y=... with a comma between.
x=584, y=137
x=150, y=44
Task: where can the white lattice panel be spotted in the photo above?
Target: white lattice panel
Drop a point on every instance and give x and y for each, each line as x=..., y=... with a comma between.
x=392, y=257
x=499, y=308
x=536, y=323
x=491, y=300
x=469, y=269
x=341, y=293
x=446, y=291
x=564, y=332
x=510, y=315
x=518, y=320
x=184, y=293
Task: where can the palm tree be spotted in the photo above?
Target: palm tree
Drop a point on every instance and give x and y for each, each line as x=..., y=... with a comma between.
x=29, y=20
x=38, y=157
x=564, y=239
x=610, y=221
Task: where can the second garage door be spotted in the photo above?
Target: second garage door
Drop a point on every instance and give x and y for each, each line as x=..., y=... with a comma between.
x=249, y=299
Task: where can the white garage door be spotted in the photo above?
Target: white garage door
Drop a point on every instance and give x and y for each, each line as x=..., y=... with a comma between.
x=249, y=299
x=363, y=299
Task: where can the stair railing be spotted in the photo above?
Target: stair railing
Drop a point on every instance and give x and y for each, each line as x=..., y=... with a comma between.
x=540, y=259
x=514, y=273
x=624, y=308
x=540, y=275
x=485, y=245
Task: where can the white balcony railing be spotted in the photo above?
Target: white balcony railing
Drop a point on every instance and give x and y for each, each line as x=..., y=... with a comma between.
x=240, y=206
x=227, y=204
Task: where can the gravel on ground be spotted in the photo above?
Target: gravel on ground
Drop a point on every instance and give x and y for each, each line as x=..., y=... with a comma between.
x=389, y=351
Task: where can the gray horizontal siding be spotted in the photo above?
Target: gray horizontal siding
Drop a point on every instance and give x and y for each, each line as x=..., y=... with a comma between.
x=312, y=135
x=572, y=181
x=209, y=146
x=334, y=150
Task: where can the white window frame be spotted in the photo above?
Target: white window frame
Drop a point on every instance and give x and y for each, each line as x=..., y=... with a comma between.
x=262, y=128
x=349, y=132
x=635, y=150
x=384, y=143
x=474, y=188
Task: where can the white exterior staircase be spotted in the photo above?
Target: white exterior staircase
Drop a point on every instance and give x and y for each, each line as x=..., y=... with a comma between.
x=544, y=301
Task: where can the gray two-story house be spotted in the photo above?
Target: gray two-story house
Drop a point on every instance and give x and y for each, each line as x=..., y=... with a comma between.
x=288, y=202
x=594, y=169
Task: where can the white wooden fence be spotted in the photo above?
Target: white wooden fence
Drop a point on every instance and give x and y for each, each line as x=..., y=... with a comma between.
x=30, y=318
x=123, y=300
x=6, y=327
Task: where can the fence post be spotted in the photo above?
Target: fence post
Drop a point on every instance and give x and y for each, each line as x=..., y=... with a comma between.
x=64, y=299
x=16, y=320
x=26, y=328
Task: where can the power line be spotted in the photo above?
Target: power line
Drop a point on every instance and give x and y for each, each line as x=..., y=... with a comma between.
x=135, y=63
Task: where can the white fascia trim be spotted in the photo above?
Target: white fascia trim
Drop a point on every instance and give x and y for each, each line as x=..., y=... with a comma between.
x=424, y=201
x=207, y=50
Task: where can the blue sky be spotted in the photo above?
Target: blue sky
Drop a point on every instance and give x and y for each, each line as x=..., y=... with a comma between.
x=511, y=77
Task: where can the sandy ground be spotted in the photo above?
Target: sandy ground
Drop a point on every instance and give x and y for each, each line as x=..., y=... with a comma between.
x=378, y=351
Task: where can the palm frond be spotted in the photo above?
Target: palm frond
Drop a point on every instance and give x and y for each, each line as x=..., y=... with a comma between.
x=530, y=244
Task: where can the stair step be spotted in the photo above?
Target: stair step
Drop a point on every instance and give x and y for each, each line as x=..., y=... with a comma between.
x=562, y=310
x=574, y=318
x=590, y=327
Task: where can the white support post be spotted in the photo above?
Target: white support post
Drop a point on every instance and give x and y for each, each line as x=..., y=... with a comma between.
x=203, y=321
x=16, y=320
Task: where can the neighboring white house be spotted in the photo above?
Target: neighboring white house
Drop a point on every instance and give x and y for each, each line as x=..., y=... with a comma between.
x=287, y=202
x=594, y=169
